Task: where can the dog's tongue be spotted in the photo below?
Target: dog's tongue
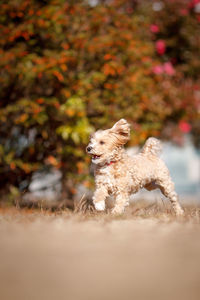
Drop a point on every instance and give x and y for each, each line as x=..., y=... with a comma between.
x=95, y=156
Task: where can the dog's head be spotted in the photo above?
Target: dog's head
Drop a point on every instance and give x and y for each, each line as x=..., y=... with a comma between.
x=104, y=144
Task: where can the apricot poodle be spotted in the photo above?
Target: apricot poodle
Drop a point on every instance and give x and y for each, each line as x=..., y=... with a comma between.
x=119, y=175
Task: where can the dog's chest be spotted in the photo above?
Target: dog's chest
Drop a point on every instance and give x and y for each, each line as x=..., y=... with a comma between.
x=106, y=178
x=110, y=178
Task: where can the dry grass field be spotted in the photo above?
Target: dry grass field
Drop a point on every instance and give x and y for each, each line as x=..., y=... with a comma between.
x=145, y=254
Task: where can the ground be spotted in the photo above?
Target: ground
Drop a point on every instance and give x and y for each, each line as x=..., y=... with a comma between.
x=145, y=254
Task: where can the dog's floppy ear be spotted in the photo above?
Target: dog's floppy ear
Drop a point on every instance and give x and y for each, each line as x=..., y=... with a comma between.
x=121, y=130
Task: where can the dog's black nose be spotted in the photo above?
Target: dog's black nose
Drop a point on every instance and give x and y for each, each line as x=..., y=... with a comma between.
x=89, y=149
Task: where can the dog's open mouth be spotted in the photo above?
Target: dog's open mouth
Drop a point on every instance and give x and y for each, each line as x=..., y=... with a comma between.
x=94, y=156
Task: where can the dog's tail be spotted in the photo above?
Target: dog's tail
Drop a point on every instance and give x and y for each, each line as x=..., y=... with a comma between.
x=152, y=146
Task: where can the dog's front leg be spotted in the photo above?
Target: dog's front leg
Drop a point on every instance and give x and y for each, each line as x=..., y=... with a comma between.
x=122, y=200
x=99, y=198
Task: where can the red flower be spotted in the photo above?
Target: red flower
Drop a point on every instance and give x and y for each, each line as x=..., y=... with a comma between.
x=158, y=69
x=184, y=126
x=154, y=28
x=169, y=69
x=184, y=12
x=166, y=68
x=160, y=47
x=193, y=3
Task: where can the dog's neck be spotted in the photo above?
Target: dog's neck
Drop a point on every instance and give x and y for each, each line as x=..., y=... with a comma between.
x=117, y=156
x=111, y=162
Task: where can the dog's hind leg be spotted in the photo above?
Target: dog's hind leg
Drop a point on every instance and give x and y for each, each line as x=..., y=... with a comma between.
x=167, y=188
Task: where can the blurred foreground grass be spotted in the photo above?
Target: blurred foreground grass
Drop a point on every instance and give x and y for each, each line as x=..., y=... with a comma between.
x=145, y=254
x=84, y=211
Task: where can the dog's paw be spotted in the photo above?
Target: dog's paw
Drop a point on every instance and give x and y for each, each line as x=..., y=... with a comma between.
x=179, y=211
x=100, y=206
x=117, y=210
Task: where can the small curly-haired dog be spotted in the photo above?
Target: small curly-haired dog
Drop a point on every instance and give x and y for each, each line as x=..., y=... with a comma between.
x=120, y=175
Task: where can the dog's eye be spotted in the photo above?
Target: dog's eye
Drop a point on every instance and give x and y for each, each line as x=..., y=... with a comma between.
x=101, y=142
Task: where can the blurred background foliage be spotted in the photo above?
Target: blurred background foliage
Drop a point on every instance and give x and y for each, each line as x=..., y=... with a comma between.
x=69, y=67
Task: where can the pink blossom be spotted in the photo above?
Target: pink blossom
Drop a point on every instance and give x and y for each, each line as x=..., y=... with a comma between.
x=160, y=47
x=154, y=28
x=193, y=3
x=169, y=69
x=184, y=12
x=158, y=69
x=184, y=126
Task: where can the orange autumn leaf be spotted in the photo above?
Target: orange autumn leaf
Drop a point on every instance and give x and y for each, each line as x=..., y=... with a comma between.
x=109, y=56
x=56, y=104
x=81, y=114
x=23, y=53
x=143, y=135
x=63, y=67
x=37, y=110
x=20, y=14
x=80, y=167
x=108, y=70
x=41, y=22
x=40, y=100
x=65, y=46
x=108, y=86
x=22, y=118
x=63, y=60
x=134, y=77
x=58, y=75
x=66, y=93
x=12, y=166
x=25, y=35
x=120, y=69
x=87, y=184
x=38, y=13
x=26, y=168
x=73, y=191
x=52, y=160
x=44, y=134
x=70, y=112
x=31, y=12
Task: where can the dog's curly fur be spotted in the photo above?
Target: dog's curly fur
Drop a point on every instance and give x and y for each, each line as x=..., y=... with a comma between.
x=120, y=175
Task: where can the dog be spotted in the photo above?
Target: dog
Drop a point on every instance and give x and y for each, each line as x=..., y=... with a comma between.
x=119, y=175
